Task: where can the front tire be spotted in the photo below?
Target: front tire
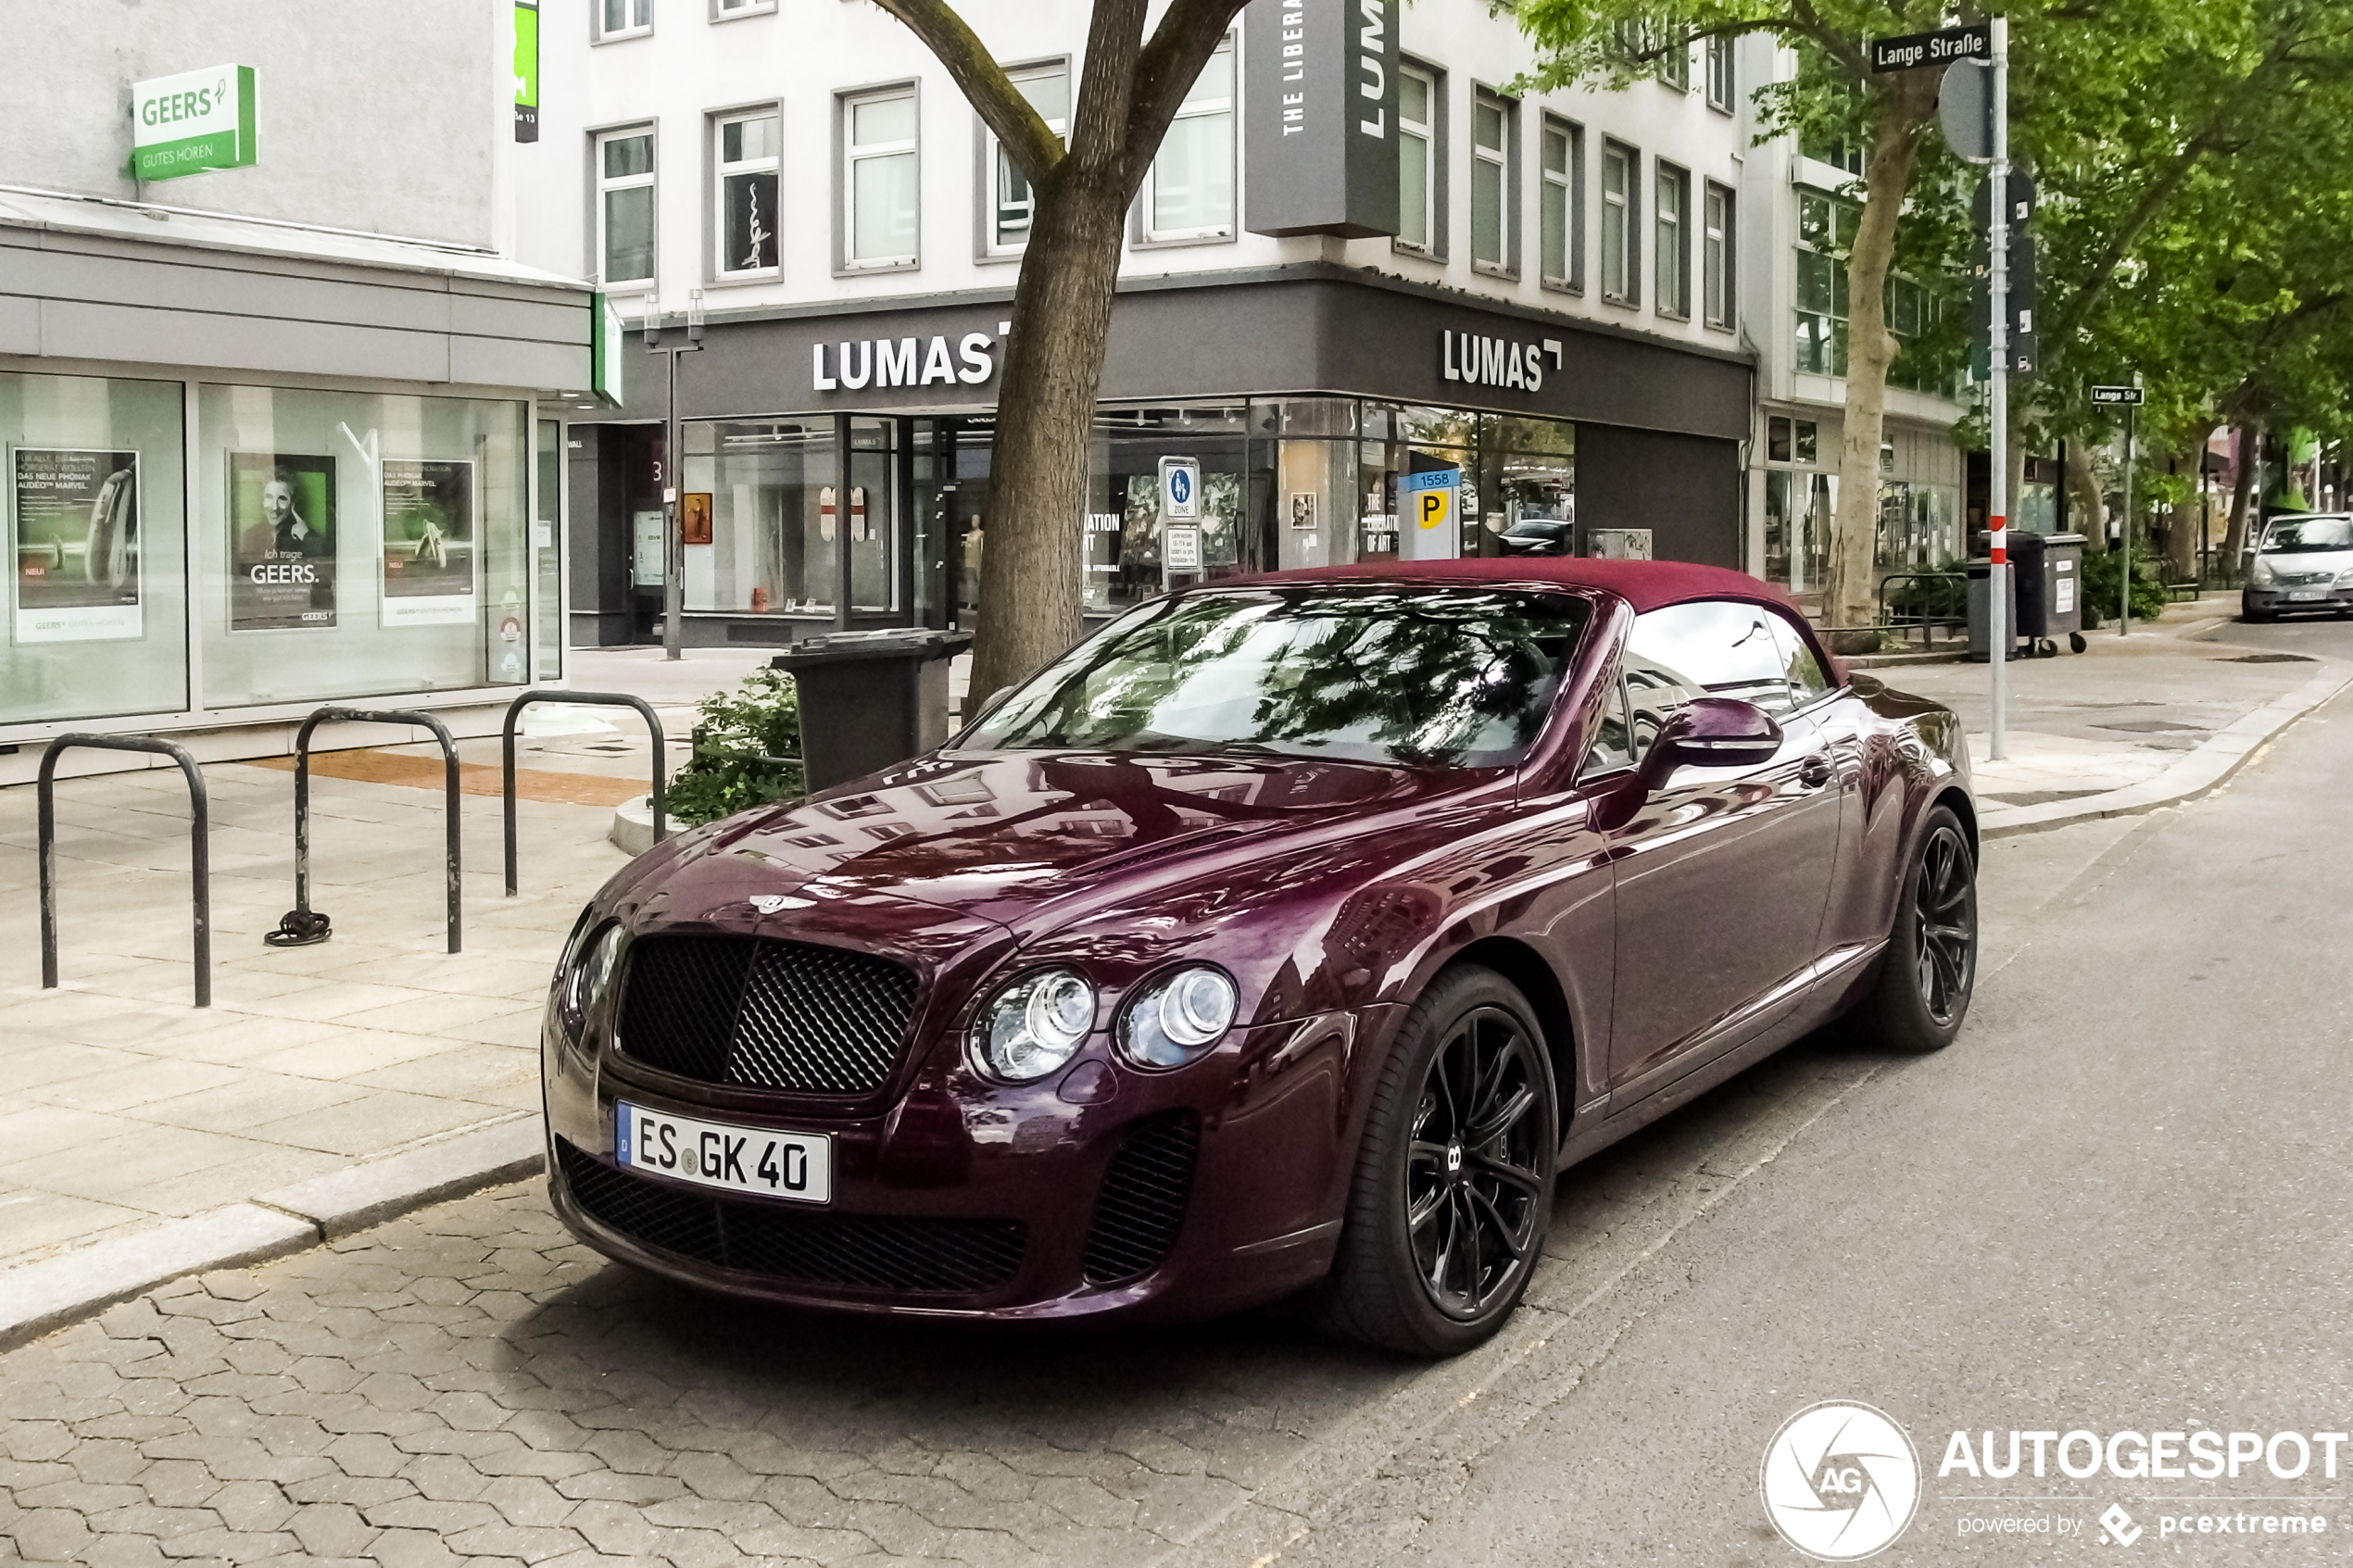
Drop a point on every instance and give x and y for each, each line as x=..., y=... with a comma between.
x=1454, y=1186
x=2247, y=612
x=1929, y=968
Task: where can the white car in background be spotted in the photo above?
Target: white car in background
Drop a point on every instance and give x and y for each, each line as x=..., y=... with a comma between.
x=2304, y=562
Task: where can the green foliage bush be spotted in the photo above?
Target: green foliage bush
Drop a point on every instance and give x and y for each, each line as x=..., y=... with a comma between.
x=746, y=751
x=2100, y=581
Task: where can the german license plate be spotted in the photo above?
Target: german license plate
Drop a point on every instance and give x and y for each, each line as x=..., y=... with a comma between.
x=717, y=1154
x=2307, y=595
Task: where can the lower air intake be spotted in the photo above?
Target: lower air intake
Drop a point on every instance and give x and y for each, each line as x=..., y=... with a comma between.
x=1142, y=1204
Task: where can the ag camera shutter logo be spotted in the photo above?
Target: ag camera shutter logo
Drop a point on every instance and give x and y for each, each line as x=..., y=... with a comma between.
x=1840, y=1481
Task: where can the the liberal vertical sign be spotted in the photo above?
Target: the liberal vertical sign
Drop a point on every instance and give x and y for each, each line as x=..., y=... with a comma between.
x=1319, y=127
x=526, y=70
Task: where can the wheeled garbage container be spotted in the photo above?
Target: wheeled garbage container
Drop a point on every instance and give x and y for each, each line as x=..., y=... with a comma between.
x=869, y=700
x=2063, y=586
x=1981, y=609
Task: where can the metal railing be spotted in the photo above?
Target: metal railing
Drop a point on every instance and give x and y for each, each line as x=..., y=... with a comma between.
x=584, y=699
x=1905, y=619
x=199, y=841
x=303, y=925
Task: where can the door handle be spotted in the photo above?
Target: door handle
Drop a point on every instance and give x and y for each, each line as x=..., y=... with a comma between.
x=1815, y=771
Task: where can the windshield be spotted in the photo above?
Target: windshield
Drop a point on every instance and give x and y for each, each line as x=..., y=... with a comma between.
x=1459, y=677
x=2291, y=535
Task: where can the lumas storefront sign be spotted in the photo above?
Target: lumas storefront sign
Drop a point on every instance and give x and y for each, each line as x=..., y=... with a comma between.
x=189, y=123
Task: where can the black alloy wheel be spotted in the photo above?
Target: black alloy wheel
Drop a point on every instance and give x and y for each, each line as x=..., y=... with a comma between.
x=1453, y=1184
x=1929, y=968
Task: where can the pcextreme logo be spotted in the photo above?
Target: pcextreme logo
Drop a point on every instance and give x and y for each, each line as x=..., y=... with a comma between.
x=1840, y=1481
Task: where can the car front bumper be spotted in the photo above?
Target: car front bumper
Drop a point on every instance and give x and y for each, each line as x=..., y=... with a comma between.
x=2284, y=600
x=1071, y=1197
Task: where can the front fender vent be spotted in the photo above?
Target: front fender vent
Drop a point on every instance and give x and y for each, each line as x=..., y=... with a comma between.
x=1141, y=1206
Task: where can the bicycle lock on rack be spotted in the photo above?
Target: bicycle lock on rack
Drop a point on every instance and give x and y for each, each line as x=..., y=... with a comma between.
x=199, y=860
x=302, y=925
x=584, y=699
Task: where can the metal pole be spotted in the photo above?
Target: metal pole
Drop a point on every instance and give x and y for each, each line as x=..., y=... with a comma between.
x=1997, y=240
x=2124, y=582
x=673, y=554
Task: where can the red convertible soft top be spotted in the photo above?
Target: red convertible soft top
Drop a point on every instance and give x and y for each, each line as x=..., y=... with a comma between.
x=1646, y=584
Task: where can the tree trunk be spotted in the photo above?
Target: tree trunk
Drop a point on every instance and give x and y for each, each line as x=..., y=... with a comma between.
x=1030, y=564
x=2251, y=441
x=1902, y=106
x=2091, y=501
x=2188, y=521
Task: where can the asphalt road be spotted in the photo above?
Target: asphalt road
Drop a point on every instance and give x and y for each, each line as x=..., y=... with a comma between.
x=2118, y=1203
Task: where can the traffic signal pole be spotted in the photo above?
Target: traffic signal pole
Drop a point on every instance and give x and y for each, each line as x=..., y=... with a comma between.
x=1997, y=581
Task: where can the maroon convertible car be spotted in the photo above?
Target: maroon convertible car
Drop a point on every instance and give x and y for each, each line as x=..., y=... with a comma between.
x=1288, y=934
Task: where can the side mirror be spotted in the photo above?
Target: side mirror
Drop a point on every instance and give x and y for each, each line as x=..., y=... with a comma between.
x=1711, y=732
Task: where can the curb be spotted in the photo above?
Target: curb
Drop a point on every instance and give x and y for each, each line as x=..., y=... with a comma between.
x=2203, y=771
x=36, y=1299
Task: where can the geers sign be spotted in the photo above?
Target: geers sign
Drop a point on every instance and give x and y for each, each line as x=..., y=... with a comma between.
x=1319, y=93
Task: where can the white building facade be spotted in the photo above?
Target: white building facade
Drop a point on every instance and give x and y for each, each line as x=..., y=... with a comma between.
x=1553, y=333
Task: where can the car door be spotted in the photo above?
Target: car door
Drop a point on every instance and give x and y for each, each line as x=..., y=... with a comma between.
x=1722, y=873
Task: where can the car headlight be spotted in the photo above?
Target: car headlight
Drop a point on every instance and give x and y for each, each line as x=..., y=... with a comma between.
x=1033, y=1025
x=592, y=976
x=1177, y=1017
x=2345, y=578
x=2262, y=574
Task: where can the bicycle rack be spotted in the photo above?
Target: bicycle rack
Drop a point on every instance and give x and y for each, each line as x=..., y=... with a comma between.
x=302, y=925
x=584, y=699
x=200, y=861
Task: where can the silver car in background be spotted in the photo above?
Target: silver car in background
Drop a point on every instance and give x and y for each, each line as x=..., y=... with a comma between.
x=2304, y=562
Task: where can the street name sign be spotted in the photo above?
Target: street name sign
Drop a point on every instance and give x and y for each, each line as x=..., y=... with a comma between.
x=197, y=121
x=2124, y=396
x=1941, y=47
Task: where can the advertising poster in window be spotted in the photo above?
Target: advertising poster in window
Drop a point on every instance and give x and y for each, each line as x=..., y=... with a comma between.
x=282, y=541
x=429, y=542
x=76, y=545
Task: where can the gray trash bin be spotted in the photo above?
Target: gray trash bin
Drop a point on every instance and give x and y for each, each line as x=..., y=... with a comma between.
x=2062, y=585
x=1981, y=609
x=869, y=700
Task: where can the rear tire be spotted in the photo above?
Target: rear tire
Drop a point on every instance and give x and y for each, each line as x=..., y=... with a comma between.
x=1454, y=1187
x=1929, y=968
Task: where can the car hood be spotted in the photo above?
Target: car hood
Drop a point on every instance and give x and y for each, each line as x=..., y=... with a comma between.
x=1026, y=839
x=2302, y=562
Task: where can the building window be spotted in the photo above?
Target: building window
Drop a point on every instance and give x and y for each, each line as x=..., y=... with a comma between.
x=1011, y=200
x=1417, y=161
x=728, y=10
x=1718, y=301
x=1675, y=65
x=879, y=180
x=747, y=204
x=1494, y=121
x=625, y=207
x=623, y=18
x=1673, y=246
x=1825, y=228
x=1191, y=194
x=1719, y=72
x=1621, y=238
x=1562, y=205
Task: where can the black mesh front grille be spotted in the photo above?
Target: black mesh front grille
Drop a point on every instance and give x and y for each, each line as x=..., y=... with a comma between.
x=854, y=1252
x=767, y=1015
x=1142, y=1203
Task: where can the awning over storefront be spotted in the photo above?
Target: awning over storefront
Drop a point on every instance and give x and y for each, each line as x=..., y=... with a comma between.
x=94, y=280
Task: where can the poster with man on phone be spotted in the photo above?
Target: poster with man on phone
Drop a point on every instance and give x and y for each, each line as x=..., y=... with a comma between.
x=282, y=535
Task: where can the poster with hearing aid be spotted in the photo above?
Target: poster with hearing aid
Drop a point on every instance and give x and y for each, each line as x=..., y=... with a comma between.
x=76, y=534
x=429, y=556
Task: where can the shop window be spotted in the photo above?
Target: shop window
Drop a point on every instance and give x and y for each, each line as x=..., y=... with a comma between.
x=1527, y=487
x=1131, y=551
x=1419, y=162
x=354, y=544
x=1562, y=207
x=97, y=610
x=747, y=196
x=1494, y=124
x=1673, y=244
x=546, y=529
x=1718, y=285
x=775, y=512
x=1189, y=193
x=1798, y=508
x=1010, y=199
x=1621, y=235
x=1719, y=72
x=617, y=20
x=626, y=209
x=880, y=195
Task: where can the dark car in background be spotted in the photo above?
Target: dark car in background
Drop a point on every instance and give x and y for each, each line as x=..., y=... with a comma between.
x=1288, y=935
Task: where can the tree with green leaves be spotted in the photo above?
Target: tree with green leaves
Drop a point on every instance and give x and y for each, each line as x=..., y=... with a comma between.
x=1890, y=116
x=1130, y=87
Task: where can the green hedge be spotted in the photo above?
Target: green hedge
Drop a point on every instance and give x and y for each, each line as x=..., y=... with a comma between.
x=746, y=751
